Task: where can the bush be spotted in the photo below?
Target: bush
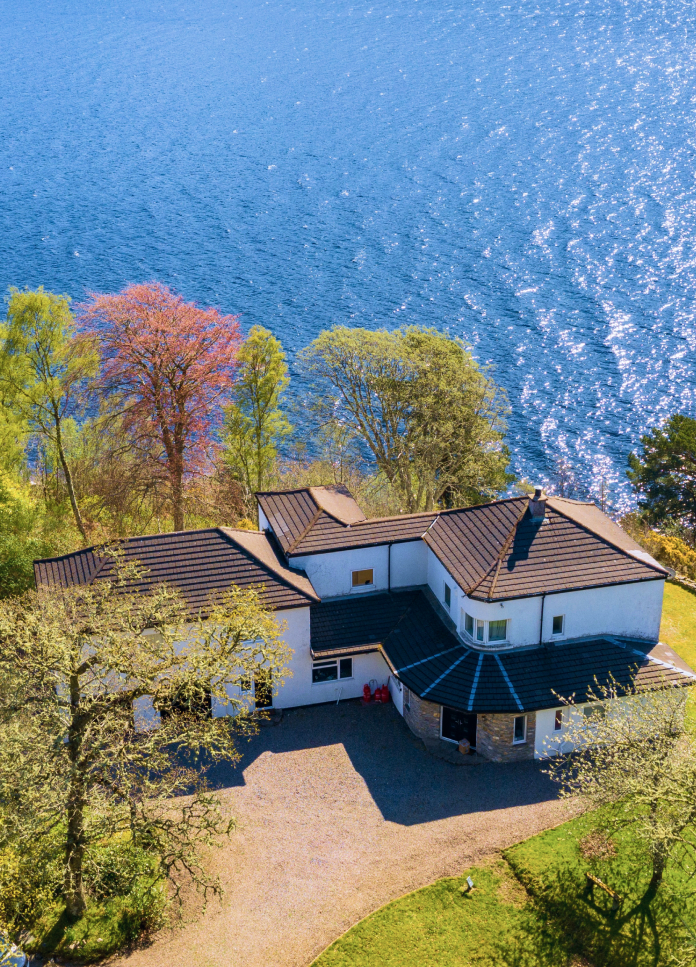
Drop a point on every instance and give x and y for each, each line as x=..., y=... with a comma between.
x=669, y=549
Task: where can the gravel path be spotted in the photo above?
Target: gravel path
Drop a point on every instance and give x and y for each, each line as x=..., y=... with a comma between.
x=341, y=809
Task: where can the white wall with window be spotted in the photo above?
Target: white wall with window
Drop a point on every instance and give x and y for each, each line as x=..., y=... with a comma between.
x=347, y=572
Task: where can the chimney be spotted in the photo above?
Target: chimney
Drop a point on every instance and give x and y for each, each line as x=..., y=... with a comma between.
x=537, y=506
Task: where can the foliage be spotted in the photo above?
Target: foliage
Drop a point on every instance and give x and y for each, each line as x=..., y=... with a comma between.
x=668, y=548
x=255, y=425
x=45, y=369
x=76, y=664
x=171, y=365
x=636, y=759
x=433, y=420
x=663, y=475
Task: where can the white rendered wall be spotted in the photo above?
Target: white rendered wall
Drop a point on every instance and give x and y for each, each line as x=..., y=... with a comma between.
x=396, y=690
x=548, y=742
x=633, y=610
x=263, y=521
x=298, y=688
x=331, y=574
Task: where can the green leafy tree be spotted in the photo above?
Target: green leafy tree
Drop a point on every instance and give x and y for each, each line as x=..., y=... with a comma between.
x=635, y=760
x=44, y=370
x=76, y=765
x=432, y=418
x=255, y=423
x=663, y=474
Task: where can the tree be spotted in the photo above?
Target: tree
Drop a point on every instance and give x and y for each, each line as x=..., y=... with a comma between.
x=255, y=425
x=171, y=365
x=45, y=369
x=74, y=663
x=636, y=758
x=432, y=418
x=664, y=474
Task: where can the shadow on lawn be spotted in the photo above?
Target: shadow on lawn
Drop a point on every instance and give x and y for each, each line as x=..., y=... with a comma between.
x=646, y=931
x=408, y=785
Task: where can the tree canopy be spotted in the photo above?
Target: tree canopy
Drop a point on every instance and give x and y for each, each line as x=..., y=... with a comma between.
x=635, y=761
x=255, y=425
x=663, y=474
x=171, y=364
x=77, y=767
x=432, y=418
x=45, y=369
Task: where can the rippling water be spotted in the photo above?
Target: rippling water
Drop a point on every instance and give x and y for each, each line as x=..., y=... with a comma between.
x=520, y=174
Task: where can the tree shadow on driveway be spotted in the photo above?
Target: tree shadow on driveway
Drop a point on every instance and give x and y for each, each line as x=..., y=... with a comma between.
x=409, y=786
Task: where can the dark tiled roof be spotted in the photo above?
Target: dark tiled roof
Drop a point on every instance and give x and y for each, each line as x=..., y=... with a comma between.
x=199, y=563
x=306, y=522
x=496, y=551
x=435, y=664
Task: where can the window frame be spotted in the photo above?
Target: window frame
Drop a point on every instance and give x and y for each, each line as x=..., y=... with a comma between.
x=468, y=617
x=561, y=633
x=515, y=740
x=447, y=597
x=558, y=720
x=335, y=663
x=363, y=586
x=498, y=621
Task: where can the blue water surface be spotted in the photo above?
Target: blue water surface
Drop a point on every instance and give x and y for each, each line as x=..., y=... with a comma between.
x=521, y=174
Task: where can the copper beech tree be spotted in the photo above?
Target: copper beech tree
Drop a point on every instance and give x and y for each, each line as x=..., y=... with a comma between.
x=81, y=764
x=170, y=364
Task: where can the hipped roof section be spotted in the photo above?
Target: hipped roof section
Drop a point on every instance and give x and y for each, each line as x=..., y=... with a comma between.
x=497, y=551
x=200, y=564
x=315, y=520
x=494, y=551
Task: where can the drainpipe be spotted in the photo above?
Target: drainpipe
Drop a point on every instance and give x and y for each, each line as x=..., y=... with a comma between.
x=541, y=623
x=389, y=547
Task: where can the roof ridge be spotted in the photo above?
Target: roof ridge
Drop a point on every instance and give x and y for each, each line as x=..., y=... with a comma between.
x=653, y=567
x=472, y=507
x=279, y=571
x=498, y=561
x=319, y=511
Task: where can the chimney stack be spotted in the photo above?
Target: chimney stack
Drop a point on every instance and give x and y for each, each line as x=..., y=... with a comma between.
x=537, y=506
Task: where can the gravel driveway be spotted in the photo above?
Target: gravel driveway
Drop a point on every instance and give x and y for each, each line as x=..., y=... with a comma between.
x=341, y=809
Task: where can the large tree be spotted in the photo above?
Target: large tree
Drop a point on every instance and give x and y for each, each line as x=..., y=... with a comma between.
x=635, y=760
x=255, y=424
x=45, y=370
x=433, y=419
x=75, y=768
x=663, y=475
x=171, y=365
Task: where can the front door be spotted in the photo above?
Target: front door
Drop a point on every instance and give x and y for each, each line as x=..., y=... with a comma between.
x=458, y=725
x=263, y=691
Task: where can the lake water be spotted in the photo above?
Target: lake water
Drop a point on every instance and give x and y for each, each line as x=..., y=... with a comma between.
x=521, y=174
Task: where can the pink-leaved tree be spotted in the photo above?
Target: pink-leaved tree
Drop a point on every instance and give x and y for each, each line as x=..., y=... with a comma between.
x=170, y=364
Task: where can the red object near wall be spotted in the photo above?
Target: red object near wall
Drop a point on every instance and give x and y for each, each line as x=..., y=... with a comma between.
x=385, y=694
x=367, y=695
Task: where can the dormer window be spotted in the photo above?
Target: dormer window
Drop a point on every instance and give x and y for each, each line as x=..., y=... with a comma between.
x=363, y=579
x=448, y=596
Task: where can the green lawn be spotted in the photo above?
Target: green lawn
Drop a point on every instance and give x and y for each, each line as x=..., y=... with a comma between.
x=441, y=926
x=531, y=907
x=678, y=629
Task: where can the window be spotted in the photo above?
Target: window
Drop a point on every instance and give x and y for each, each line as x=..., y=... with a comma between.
x=497, y=630
x=448, y=596
x=558, y=720
x=558, y=624
x=331, y=671
x=469, y=625
x=520, y=729
x=362, y=579
x=595, y=711
x=480, y=627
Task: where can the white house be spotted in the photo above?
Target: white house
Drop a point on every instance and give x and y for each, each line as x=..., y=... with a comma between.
x=478, y=619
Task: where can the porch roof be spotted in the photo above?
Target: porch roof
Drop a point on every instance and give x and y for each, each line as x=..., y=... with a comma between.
x=432, y=661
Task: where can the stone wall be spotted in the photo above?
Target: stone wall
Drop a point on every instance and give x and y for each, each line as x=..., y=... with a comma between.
x=494, y=738
x=423, y=718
